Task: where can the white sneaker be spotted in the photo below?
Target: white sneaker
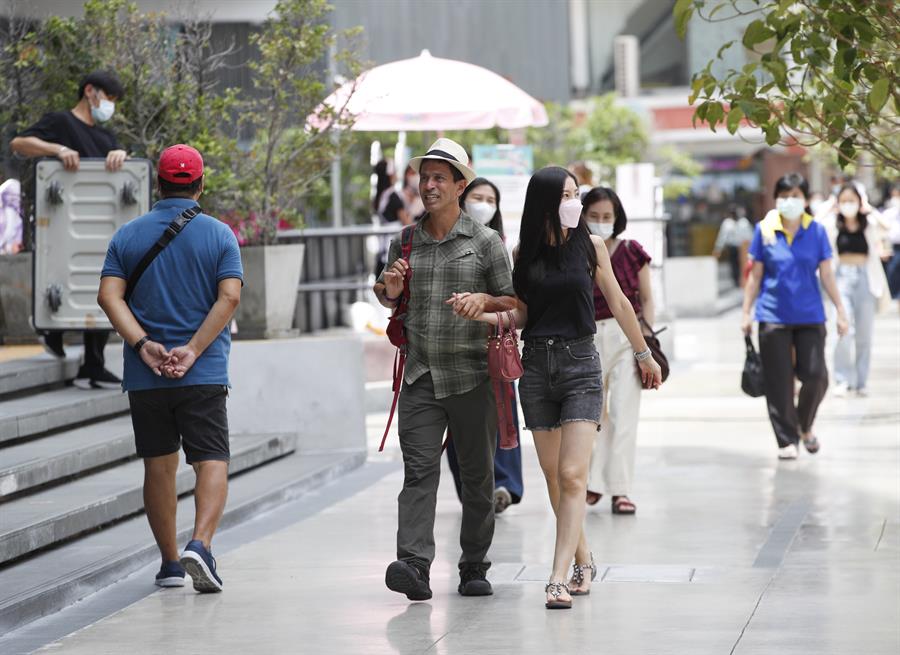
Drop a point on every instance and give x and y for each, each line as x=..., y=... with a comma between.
x=788, y=452
x=840, y=390
x=502, y=499
x=862, y=393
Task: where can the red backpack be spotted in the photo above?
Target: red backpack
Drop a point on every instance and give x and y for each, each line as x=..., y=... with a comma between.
x=396, y=330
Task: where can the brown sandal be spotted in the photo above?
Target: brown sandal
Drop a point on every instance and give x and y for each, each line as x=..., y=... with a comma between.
x=592, y=497
x=622, y=505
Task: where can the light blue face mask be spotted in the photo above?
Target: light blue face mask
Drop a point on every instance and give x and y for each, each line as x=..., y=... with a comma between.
x=104, y=111
x=602, y=230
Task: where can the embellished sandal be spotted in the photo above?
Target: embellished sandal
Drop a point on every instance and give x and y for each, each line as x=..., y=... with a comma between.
x=622, y=505
x=556, y=589
x=578, y=576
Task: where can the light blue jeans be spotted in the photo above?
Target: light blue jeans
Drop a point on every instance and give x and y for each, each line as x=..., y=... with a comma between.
x=853, y=351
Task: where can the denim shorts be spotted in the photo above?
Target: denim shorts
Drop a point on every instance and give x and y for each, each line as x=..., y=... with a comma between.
x=562, y=383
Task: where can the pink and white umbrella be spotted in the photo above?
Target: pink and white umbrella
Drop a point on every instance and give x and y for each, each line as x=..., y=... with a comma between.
x=430, y=93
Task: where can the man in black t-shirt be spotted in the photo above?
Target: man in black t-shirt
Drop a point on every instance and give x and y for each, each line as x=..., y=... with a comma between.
x=69, y=136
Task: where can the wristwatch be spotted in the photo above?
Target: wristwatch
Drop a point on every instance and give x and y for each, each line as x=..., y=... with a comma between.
x=140, y=344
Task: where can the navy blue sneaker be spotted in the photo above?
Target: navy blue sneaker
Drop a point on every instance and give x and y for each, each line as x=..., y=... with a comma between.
x=201, y=566
x=171, y=574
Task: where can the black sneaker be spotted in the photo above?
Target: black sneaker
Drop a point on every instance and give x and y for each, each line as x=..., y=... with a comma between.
x=472, y=581
x=96, y=379
x=409, y=579
x=53, y=344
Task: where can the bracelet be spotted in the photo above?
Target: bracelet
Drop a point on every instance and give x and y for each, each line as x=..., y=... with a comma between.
x=641, y=356
x=61, y=150
x=389, y=299
x=140, y=344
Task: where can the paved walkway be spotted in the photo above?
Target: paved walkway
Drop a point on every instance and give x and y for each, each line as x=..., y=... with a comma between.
x=730, y=552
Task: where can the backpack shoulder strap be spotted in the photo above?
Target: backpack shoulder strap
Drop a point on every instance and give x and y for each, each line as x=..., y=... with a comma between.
x=406, y=239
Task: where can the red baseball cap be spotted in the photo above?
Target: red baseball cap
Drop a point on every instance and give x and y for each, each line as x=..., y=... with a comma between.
x=180, y=164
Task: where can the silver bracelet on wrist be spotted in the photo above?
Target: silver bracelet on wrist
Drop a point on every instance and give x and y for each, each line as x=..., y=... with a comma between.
x=641, y=356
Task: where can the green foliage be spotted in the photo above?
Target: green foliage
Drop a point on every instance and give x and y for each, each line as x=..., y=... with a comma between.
x=170, y=95
x=166, y=72
x=609, y=134
x=288, y=156
x=820, y=71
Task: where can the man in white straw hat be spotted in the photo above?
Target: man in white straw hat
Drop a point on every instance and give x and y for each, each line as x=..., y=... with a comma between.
x=445, y=382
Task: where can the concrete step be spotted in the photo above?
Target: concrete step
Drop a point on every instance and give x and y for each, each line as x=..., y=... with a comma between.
x=54, y=579
x=64, y=454
x=35, y=372
x=33, y=415
x=42, y=519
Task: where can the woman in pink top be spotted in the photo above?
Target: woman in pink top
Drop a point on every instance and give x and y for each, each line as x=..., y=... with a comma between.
x=612, y=463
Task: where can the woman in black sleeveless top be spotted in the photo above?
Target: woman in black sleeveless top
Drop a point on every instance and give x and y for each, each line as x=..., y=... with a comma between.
x=557, y=263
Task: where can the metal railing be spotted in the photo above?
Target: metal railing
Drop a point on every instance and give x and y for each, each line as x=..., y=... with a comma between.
x=337, y=267
x=339, y=262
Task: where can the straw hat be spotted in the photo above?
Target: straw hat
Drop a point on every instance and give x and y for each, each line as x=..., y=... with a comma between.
x=449, y=151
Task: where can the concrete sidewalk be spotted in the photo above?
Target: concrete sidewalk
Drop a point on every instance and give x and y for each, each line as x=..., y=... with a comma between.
x=730, y=552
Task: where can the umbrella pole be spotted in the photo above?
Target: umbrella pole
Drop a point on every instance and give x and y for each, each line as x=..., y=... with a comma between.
x=337, y=209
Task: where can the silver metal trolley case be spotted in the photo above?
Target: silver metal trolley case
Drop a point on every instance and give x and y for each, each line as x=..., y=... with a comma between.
x=76, y=214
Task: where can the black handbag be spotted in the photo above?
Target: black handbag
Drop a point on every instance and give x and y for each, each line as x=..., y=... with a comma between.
x=655, y=350
x=752, y=382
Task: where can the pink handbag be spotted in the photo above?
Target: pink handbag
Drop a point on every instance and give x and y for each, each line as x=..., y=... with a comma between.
x=504, y=366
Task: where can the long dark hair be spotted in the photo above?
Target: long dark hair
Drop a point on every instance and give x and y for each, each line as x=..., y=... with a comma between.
x=497, y=221
x=841, y=219
x=599, y=193
x=383, y=182
x=540, y=221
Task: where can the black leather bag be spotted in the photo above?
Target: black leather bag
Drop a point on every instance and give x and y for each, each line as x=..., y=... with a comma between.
x=655, y=350
x=752, y=382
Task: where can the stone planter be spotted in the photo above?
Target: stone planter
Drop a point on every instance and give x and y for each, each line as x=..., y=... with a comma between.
x=269, y=296
x=15, y=299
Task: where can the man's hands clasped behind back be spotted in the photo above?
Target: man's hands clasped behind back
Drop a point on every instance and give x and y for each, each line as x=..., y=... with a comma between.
x=173, y=364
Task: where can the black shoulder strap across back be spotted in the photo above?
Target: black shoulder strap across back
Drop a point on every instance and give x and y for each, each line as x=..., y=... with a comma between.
x=172, y=231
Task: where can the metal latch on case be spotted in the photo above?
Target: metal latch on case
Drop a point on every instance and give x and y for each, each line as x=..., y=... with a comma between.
x=128, y=194
x=55, y=193
x=54, y=297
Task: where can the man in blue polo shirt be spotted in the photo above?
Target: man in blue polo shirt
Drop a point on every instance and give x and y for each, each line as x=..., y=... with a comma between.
x=175, y=328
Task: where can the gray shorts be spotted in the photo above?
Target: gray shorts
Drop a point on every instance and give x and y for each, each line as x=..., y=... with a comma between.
x=562, y=383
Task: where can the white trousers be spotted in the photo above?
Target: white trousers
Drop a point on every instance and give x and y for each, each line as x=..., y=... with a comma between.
x=612, y=463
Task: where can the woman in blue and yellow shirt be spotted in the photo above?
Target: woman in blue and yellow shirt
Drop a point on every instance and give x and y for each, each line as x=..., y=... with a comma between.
x=788, y=249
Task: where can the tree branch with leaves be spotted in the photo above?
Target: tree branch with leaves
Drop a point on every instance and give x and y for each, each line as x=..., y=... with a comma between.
x=818, y=72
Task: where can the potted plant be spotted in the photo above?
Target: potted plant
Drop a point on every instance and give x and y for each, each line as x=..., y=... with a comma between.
x=270, y=179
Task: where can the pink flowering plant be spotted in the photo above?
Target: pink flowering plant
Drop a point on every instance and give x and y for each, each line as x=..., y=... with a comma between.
x=250, y=229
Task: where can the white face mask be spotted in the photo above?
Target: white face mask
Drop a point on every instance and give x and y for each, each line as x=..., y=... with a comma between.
x=104, y=111
x=481, y=211
x=602, y=230
x=849, y=209
x=570, y=213
x=790, y=208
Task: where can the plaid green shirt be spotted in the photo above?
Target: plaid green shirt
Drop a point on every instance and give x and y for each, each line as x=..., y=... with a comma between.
x=471, y=258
